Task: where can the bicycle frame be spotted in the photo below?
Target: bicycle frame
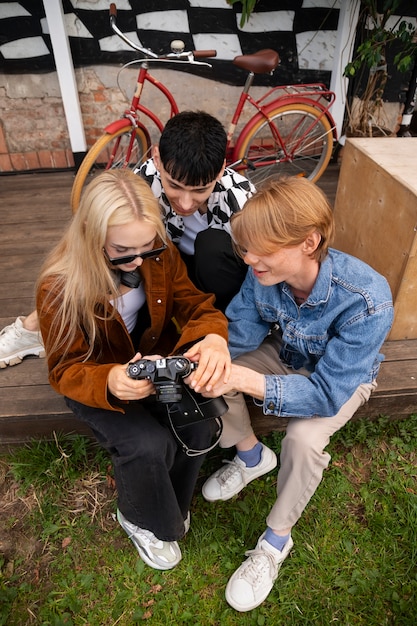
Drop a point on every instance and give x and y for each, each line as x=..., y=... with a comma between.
x=132, y=114
x=290, y=133
x=312, y=94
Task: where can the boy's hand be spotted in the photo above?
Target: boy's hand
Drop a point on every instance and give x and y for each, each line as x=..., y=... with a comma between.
x=241, y=379
x=214, y=362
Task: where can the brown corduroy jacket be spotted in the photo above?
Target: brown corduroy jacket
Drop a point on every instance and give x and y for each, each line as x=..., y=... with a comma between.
x=169, y=294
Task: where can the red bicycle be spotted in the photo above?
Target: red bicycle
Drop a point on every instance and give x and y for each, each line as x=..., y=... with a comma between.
x=291, y=132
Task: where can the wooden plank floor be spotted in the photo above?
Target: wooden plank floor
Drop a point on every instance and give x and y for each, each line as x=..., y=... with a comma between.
x=34, y=209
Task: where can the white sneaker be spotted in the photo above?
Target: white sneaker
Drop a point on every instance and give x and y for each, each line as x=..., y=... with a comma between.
x=16, y=342
x=230, y=480
x=252, y=582
x=156, y=553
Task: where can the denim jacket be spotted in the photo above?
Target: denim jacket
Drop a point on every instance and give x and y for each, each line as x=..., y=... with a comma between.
x=335, y=335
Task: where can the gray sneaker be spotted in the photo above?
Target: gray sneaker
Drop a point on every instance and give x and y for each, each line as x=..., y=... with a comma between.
x=16, y=342
x=231, y=479
x=187, y=523
x=252, y=582
x=156, y=553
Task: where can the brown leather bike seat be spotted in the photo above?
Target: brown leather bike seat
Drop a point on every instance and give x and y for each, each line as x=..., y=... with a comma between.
x=261, y=62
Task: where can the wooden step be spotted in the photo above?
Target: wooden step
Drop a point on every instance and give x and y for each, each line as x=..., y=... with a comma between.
x=29, y=408
x=34, y=210
x=395, y=396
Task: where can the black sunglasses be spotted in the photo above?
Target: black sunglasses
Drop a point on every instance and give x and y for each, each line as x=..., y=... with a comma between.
x=121, y=260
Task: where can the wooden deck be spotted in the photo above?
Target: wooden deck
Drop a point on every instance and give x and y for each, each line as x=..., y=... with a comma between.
x=34, y=209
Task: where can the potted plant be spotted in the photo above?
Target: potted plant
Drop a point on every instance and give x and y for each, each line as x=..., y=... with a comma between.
x=381, y=36
x=248, y=7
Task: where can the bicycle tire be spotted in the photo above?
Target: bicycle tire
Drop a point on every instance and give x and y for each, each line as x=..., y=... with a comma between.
x=98, y=158
x=308, y=155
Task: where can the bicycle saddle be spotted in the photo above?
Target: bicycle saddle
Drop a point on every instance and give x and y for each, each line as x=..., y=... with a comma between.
x=261, y=62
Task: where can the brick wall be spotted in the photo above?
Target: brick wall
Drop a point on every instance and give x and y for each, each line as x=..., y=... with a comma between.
x=28, y=160
x=33, y=129
x=32, y=124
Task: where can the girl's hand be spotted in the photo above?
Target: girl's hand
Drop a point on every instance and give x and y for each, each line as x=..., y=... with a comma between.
x=126, y=388
x=214, y=362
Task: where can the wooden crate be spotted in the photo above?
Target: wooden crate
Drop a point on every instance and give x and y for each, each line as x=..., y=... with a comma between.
x=376, y=217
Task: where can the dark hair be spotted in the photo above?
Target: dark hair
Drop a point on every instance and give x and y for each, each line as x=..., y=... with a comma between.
x=192, y=148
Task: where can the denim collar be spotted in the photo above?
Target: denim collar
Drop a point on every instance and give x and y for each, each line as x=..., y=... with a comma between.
x=320, y=293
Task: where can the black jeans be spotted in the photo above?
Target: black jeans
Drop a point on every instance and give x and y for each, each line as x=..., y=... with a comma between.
x=155, y=479
x=215, y=267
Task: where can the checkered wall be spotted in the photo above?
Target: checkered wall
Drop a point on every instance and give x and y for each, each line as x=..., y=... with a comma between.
x=302, y=31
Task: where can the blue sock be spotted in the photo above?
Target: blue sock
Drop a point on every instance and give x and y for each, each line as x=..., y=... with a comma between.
x=277, y=541
x=251, y=457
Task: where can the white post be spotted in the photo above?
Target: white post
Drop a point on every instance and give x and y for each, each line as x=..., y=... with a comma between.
x=346, y=31
x=66, y=77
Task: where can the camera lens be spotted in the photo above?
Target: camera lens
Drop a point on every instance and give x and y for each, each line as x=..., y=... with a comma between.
x=169, y=393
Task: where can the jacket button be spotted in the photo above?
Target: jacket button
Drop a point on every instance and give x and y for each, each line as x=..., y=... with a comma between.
x=159, y=301
x=271, y=406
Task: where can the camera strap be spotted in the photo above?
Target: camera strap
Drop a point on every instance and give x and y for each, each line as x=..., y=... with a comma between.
x=130, y=279
x=194, y=408
x=190, y=451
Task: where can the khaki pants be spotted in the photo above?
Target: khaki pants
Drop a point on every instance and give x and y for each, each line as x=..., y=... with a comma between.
x=302, y=458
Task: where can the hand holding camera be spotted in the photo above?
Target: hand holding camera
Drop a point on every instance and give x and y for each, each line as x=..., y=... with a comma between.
x=166, y=374
x=184, y=405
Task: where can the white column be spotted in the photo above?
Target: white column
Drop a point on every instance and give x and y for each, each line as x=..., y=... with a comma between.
x=66, y=77
x=346, y=31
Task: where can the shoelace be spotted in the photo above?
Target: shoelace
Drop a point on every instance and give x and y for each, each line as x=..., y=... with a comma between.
x=154, y=547
x=16, y=333
x=229, y=471
x=254, y=568
x=146, y=534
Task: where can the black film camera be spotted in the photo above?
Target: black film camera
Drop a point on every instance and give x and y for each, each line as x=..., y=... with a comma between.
x=166, y=374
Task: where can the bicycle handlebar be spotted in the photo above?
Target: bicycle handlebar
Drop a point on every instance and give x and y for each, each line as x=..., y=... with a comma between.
x=199, y=54
x=179, y=55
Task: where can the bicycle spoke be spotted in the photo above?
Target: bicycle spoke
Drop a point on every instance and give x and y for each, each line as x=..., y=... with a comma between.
x=296, y=141
x=110, y=151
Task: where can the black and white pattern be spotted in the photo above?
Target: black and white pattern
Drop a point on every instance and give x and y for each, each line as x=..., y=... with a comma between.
x=303, y=33
x=228, y=197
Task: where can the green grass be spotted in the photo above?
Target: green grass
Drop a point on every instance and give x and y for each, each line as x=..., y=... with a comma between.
x=354, y=560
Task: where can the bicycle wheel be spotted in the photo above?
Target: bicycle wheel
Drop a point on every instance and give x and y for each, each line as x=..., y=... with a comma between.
x=108, y=152
x=305, y=148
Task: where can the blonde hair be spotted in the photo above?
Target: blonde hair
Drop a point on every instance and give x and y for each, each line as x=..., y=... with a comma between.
x=283, y=214
x=79, y=278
